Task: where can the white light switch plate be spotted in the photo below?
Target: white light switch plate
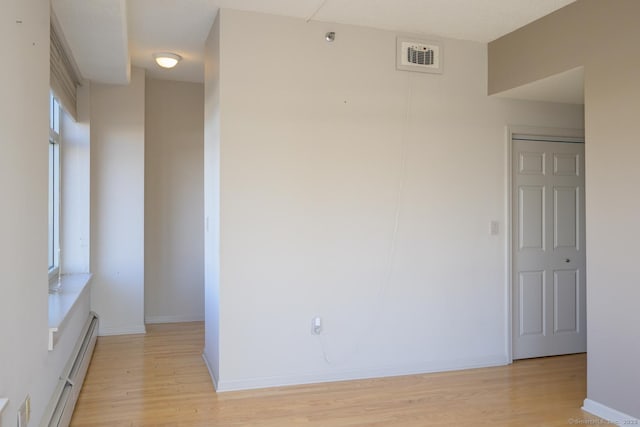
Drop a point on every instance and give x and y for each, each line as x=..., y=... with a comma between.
x=495, y=228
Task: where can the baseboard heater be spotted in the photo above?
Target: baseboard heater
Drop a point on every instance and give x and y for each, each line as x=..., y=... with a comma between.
x=60, y=409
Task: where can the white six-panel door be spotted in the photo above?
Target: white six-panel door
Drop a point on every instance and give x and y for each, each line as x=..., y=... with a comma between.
x=548, y=284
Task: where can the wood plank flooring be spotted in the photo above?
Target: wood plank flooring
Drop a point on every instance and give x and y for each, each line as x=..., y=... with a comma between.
x=159, y=379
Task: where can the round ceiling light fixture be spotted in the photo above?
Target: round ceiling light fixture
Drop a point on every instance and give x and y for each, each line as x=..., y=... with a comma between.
x=166, y=59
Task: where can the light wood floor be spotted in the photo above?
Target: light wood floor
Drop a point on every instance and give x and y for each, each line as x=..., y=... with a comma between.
x=159, y=379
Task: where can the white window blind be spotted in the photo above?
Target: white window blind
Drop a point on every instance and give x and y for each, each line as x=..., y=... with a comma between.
x=63, y=78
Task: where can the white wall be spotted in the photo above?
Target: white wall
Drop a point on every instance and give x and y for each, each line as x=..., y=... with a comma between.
x=361, y=194
x=75, y=194
x=23, y=217
x=117, y=205
x=26, y=366
x=211, y=352
x=612, y=102
x=174, y=242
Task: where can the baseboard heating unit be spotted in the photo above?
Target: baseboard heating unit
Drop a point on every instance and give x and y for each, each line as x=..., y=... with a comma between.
x=63, y=401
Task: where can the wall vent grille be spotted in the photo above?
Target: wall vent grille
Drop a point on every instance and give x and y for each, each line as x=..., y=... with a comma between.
x=417, y=55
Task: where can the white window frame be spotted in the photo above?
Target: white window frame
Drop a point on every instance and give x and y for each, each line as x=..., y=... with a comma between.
x=53, y=241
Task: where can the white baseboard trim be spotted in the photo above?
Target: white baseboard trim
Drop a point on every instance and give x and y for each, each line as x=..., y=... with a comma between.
x=130, y=330
x=609, y=414
x=174, y=319
x=389, y=371
x=212, y=374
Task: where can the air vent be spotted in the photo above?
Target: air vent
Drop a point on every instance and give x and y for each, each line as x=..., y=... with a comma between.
x=417, y=55
x=420, y=55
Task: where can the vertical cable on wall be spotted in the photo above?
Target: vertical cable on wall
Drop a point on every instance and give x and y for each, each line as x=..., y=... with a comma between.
x=386, y=279
x=315, y=12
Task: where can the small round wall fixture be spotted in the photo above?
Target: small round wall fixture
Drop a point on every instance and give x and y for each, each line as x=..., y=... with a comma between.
x=166, y=59
x=330, y=36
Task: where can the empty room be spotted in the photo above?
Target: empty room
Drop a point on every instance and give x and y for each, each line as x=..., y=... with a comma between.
x=319, y=212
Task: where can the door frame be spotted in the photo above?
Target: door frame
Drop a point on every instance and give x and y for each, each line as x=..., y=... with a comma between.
x=510, y=130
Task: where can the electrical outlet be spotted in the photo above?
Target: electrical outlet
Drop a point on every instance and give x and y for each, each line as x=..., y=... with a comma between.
x=24, y=412
x=316, y=325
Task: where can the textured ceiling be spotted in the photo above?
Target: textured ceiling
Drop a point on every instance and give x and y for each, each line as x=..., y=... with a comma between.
x=104, y=35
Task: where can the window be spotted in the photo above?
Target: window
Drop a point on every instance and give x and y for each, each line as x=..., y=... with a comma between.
x=68, y=214
x=54, y=187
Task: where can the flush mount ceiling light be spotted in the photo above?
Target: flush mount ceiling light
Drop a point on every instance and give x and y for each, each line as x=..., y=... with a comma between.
x=166, y=59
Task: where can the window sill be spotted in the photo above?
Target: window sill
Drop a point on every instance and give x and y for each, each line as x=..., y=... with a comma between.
x=61, y=303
